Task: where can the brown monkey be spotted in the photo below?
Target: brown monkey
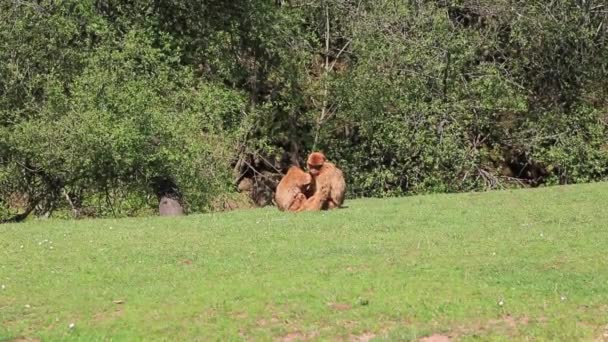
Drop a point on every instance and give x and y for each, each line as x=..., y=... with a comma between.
x=290, y=194
x=330, y=185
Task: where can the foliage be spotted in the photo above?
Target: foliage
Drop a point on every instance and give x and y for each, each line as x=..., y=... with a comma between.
x=102, y=99
x=470, y=96
x=130, y=115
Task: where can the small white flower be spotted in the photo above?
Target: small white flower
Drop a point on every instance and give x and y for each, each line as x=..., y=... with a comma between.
x=71, y=326
x=3, y=286
x=563, y=298
x=501, y=303
x=21, y=247
x=27, y=306
x=541, y=235
x=39, y=243
x=52, y=247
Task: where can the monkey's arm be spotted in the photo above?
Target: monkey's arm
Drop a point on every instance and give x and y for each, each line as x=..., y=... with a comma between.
x=297, y=203
x=316, y=201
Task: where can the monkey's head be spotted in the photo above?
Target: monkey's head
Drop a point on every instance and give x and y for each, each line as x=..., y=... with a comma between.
x=307, y=180
x=304, y=181
x=301, y=178
x=315, y=162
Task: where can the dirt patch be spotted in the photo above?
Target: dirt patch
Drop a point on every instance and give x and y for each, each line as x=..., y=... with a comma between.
x=370, y=335
x=357, y=268
x=350, y=325
x=508, y=323
x=365, y=337
x=604, y=336
x=23, y=339
x=240, y=315
x=108, y=315
x=298, y=336
x=266, y=322
x=340, y=306
x=293, y=336
x=435, y=338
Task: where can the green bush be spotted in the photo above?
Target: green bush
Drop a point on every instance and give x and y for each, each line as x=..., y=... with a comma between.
x=133, y=114
x=102, y=100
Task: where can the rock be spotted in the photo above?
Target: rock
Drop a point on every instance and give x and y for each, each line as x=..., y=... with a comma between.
x=245, y=185
x=170, y=207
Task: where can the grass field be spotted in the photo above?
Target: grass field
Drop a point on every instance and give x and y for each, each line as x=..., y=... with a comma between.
x=507, y=265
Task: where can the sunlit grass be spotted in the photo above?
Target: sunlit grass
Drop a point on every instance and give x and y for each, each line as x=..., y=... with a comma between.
x=528, y=264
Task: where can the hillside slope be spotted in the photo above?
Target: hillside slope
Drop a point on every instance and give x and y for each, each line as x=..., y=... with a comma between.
x=499, y=265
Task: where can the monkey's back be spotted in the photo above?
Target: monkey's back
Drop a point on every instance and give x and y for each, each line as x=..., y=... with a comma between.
x=338, y=187
x=289, y=189
x=333, y=176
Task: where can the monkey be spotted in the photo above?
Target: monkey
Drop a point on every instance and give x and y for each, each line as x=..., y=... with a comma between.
x=329, y=184
x=292, y=189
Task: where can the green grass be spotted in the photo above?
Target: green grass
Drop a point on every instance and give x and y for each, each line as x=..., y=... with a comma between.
x=396, y=269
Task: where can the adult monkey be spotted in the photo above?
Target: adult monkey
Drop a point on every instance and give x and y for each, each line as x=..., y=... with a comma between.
x=330, y=185
x=292, y=189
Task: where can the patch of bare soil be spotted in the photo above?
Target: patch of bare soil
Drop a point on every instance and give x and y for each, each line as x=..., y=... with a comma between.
x=436, y=338
x=240, y=315
x=604, y=337
x=340, y=306
x=108, y=315
x=293, y=336
x=357, y=268
x=507, y=322
x=266, y=322
x=297, y=336
x=348, y=324
x=365, y=337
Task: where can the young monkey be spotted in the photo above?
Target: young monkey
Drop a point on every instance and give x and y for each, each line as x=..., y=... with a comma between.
x=291, y=191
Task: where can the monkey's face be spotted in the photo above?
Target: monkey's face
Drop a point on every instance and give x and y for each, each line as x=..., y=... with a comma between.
x=315, y=162
x=314, y=170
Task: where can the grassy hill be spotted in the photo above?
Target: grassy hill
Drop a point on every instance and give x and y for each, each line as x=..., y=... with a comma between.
x=508, y=265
